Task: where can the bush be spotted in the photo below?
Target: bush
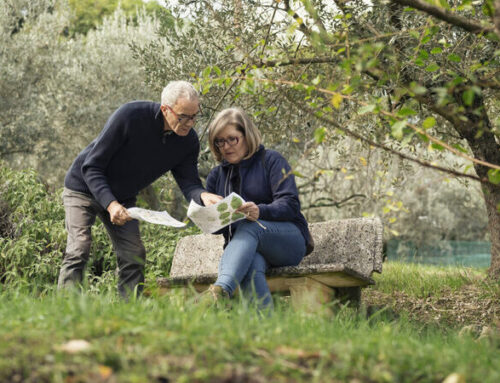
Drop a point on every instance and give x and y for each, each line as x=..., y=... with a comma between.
x=33, y=238
x=34, y=248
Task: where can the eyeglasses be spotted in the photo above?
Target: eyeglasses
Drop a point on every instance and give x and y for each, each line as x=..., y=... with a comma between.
x=183, y=118
x=231, y=141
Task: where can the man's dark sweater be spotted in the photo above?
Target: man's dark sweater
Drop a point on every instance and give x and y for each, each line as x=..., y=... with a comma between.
x=131, y=152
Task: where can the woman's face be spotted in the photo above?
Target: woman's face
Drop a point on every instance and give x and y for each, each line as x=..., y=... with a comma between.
x=232, y=144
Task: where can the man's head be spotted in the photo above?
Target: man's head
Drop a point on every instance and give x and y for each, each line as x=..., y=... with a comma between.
x=180, y=105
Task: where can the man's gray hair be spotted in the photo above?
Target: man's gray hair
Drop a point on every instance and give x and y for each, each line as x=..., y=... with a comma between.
x=176, y=90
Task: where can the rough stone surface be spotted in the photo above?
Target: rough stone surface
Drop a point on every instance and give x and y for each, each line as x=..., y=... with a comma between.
x=353, y=246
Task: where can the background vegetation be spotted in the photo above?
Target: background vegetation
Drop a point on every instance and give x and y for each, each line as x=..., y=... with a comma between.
x=66, y=66
x=339, y=90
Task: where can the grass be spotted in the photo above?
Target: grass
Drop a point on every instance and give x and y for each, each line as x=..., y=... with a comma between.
x=424, y=280
x=164, y=338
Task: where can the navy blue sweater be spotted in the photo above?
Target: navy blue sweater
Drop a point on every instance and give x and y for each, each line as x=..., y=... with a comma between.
x=262, y=182
x=130, y=153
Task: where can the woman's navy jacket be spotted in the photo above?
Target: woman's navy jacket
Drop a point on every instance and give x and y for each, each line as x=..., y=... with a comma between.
x=264, y=180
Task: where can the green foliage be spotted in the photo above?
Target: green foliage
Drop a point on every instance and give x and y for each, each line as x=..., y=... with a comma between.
x=494, y=176
x=88, y=14
x=376, y=67
x=32, y=254
x=32, y=250
x=56, y=92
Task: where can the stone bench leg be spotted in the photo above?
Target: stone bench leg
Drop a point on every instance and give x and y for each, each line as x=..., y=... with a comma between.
x=349, y=295
x=309, y=294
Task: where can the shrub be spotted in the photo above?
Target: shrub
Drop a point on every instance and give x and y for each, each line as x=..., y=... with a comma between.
x=33, y=218
x=33, y=250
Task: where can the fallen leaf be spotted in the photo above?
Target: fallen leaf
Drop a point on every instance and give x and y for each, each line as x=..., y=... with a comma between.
x=297, y=352
x=105, y=371
x=74, y=346
x=454, y=378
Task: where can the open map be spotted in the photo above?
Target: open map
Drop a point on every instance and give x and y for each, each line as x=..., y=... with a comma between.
x=208, y=218
x=212, y=218
x=157, y=217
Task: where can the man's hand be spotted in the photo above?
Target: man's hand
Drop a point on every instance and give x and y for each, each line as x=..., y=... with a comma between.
x=118, y=214
x=210, y=198
x=251, y=211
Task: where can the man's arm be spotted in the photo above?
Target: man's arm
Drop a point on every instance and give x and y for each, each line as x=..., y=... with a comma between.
x=94, y=167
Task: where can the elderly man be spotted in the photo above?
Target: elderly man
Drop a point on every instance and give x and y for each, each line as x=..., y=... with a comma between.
x=140, y=142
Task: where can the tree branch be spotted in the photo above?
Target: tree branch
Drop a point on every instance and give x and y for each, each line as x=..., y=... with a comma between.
x=447, y=16
x=337, y=204
x=303, y=28
x=216, y=108
x=386, y=148
x=295, y=61
x=269, y=29
x=14, y=151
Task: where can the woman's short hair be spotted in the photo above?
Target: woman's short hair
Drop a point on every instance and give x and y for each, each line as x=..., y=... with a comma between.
x=176, y=90
x=242, y=122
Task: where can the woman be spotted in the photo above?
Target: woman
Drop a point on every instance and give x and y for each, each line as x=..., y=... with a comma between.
x=274, y=233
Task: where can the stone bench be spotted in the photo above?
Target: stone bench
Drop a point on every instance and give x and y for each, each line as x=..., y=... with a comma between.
x=346, y=254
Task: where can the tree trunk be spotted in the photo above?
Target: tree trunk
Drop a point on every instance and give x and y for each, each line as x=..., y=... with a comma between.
x=176, y=206
x=149, y=195
x=492, y=199
x=478, y=133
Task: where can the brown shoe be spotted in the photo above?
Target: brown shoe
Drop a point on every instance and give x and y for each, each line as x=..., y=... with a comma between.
x=217, y=293
x=214, y=296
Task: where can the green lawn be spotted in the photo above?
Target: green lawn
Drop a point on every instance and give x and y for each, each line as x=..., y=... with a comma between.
x=167, y=339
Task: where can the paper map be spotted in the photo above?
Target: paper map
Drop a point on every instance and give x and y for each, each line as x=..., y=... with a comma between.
x=151, y=216
x=212, y=218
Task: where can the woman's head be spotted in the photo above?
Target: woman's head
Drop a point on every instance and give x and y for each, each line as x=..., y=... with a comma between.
x=233, y=136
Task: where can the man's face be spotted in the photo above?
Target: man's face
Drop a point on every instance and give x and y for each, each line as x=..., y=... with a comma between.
x=181, y=117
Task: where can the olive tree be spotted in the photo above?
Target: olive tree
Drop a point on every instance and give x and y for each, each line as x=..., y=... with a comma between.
x=57, y=92
x=409, y=79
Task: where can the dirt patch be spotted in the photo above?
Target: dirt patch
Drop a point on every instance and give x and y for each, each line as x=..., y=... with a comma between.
x=467, y=306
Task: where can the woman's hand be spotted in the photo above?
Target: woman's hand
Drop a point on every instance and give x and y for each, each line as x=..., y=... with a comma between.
x=250, y=209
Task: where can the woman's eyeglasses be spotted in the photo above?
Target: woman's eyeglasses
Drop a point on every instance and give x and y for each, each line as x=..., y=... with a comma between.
x=231, y=141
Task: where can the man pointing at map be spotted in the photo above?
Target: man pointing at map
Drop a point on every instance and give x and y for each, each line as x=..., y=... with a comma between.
x=139, y=143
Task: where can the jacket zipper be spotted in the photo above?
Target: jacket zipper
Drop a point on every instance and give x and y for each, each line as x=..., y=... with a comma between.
x=226, y=193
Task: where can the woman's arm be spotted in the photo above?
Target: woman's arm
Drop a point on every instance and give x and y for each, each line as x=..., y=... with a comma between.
x=285, y=205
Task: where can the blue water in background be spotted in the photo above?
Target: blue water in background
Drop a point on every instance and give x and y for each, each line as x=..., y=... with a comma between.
x=445, y=253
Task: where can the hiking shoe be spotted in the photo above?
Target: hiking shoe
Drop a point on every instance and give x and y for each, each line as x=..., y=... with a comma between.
x=217, y=293
x=214, y=296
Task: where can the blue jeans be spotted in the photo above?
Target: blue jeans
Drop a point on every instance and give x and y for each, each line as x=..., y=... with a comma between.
x=252, y=250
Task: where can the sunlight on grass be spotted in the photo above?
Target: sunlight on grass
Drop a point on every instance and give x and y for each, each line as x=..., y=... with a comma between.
x=423, y=280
